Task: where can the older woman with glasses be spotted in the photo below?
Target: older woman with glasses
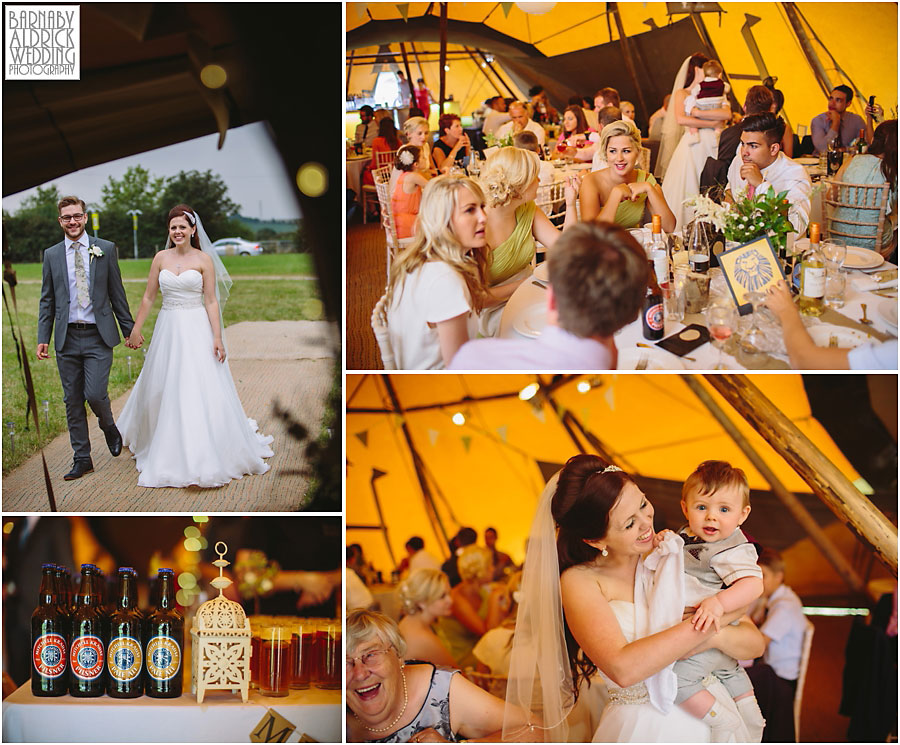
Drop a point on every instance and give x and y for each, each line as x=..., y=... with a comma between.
x=392, y=700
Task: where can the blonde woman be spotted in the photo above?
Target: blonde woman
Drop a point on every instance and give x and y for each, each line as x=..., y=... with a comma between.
x=476, y=608
x=621, y=193
x=418, y=133
x=510, y=179
x=440, y=277
x=425, y=597
x=494, y=648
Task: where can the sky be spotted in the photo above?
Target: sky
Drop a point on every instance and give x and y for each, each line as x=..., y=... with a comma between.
x=248, y=163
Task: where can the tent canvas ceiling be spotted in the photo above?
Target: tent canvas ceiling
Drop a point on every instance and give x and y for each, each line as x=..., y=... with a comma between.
x=855, y=39
x=486, y=472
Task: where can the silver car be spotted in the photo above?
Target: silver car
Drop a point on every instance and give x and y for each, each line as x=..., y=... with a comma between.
x=237, y=247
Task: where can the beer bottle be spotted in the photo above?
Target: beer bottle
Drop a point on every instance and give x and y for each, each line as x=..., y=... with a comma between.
x=49, y=647
x=653, y=318
x=164, y=641
x=87, y=654
x=124, y=653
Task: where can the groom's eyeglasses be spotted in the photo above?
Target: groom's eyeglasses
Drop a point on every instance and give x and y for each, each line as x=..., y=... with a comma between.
x=76, y=217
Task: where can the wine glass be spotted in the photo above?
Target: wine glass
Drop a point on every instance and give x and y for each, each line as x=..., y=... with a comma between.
x=834, y=251
x=753, y=341
x=720, y=320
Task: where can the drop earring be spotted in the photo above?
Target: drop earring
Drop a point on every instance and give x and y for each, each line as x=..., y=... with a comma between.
x=604, y=552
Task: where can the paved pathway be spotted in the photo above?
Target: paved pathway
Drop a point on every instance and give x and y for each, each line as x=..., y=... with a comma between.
x=288, y=363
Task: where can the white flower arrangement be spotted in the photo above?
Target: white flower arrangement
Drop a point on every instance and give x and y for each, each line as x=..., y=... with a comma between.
x=707, y=210
x=95, y=252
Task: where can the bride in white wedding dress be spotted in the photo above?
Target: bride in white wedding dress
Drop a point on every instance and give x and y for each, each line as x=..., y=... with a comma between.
x=184, y=422
x=585, y=614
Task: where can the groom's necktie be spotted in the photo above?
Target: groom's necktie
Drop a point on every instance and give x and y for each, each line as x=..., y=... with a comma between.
x=81, y=284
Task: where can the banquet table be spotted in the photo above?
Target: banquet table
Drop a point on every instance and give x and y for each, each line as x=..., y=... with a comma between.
x=526, y=310
x=222, y=717
x=355, y=165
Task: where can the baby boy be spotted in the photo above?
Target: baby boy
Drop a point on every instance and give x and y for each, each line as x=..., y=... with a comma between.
x=710, y=93
x=715, y=500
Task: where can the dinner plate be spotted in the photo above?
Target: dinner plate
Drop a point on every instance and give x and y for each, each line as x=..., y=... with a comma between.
x=542, y=272
x=657, y=359
x=887, y=309
x=846, y=338
x=807, y=161
x=531, y=321
x=862, y=258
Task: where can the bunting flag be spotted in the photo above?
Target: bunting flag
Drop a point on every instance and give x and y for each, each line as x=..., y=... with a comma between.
x=377, y=473
x=433, y=436
x=538, y=412
x=363, y=437
x=610, y=398
x=466, y=441
x=404, y=10
x=502, y=432
x=398, y=420
x=506, y=8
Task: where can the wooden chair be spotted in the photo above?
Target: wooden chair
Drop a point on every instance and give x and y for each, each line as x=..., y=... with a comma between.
x=494, y=684
x=380, y=327
x=382, y=178
x=382, y=158
x=872, y=199
x=801, y=677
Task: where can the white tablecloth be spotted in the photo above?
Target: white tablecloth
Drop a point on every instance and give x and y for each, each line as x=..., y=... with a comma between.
x=221, y=718
x=529, y=295
x=356, y=164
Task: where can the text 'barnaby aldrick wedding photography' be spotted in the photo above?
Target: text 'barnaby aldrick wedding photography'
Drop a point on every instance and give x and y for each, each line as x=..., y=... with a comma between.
x=42, y=42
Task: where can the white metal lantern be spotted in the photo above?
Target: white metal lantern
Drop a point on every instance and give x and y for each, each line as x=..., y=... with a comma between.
x=221, y=641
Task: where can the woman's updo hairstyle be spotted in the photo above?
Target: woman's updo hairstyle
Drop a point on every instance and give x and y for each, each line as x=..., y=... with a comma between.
x=585, y=493
x=475, y=562
x=422, y=587
x=186, y=211
x=406, y=158
x=507, y=174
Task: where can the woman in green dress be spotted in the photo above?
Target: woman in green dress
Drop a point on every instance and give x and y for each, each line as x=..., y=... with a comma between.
x=621, y=193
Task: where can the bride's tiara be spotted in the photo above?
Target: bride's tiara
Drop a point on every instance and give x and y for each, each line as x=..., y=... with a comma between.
x=191, y=217
x=610, y=468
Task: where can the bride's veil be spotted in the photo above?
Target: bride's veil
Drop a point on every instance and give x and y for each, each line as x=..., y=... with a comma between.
x=540, y=678
x=671, y=129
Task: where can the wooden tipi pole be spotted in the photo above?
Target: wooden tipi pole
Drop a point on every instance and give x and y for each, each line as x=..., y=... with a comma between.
x=794, y=506
x=443, y=56
x=825, y=479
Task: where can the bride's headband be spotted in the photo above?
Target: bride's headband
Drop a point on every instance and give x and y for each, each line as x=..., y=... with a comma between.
x=610, y=468
x=191, y=217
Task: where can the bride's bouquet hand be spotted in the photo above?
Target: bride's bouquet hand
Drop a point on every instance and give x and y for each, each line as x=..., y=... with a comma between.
x=219, y=350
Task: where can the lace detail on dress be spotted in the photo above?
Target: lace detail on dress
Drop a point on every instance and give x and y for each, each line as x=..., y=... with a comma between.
x=636, y=694
x=170, y=303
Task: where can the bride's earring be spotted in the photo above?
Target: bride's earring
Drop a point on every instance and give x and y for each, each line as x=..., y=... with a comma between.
x=604, y=552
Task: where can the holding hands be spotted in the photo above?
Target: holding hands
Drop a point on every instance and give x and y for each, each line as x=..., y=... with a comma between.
x=135, y=340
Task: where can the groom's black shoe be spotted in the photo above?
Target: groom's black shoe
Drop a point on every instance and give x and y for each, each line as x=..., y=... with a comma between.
x=80, y=467
x=114, y=440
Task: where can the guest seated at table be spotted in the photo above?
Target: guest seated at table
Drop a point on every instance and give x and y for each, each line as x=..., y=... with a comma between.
x=598, y=279
x=417, y=557
x=586, y=103
x=627, y=109
x=510, y=181
x=386, y=142
x=406, y=190
x=418, y=133
x=837, y=121
x=877, y=166
x=425, y=597
x=441, y=277
x=452, y=146
x=805, y=355
x=575, y=133
x=502, y=562
x=367, y=129
x=391, y=700
x=542, y=110
x=494, y=648
x=779, y=616
x=608, y=115
x=528, y=141
x=518, y=114
x=605, y=97
x=760, y=165
x=621, y=192
x=476, y=607
x=496, y=117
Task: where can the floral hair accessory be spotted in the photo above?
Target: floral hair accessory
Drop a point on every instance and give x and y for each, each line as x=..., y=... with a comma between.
x=407, y=158
x=610, y=468
x=191, y=217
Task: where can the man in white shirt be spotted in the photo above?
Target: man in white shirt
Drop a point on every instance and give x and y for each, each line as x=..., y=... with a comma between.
x=518, y=113
x=783, y=625
x=598, y=280
x=418, y=557
x=759, y=165
x=496, y=116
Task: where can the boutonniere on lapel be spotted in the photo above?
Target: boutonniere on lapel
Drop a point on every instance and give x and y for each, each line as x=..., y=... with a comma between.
x=95, y=252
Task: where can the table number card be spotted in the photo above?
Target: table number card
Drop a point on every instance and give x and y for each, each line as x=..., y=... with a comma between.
x=750, y=267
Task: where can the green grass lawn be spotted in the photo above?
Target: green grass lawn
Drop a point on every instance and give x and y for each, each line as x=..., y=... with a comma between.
x=252, y=300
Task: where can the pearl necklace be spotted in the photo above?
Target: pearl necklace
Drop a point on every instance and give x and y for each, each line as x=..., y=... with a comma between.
x=397, y=719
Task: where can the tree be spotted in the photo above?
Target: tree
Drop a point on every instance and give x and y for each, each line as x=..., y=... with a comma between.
x=207, y=193
x=137, y=189
x=33, y=227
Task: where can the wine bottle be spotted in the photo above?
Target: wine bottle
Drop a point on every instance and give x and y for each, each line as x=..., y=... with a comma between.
x=812, y=276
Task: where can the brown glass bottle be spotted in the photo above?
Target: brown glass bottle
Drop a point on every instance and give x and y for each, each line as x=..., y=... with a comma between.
x=164, y=642
x=88, y=647
x=125, y=652
x=49, y=639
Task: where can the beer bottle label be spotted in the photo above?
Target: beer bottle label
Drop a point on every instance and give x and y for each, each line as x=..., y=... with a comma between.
x=87, y=657
x=163, y=658
x=49, y=655
x=125, y=658
x=654, y=317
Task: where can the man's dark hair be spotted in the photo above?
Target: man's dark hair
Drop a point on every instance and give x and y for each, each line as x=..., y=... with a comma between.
x=67, y=201
x=492, y=530
x=759, y=100
x=770, y=125
x=575, y=101
x=466, y=537
x=599, y=278
x=846, y=90
x=415, y=543
x=535, y=90
x=610, y=96
x=368, y=109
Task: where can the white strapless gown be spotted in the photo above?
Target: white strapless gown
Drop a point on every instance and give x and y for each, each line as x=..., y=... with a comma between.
x=184, y=422
x=630, y=717
x=682, y=179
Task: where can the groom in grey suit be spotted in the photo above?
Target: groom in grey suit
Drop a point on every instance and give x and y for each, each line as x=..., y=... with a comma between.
x=82, y=294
